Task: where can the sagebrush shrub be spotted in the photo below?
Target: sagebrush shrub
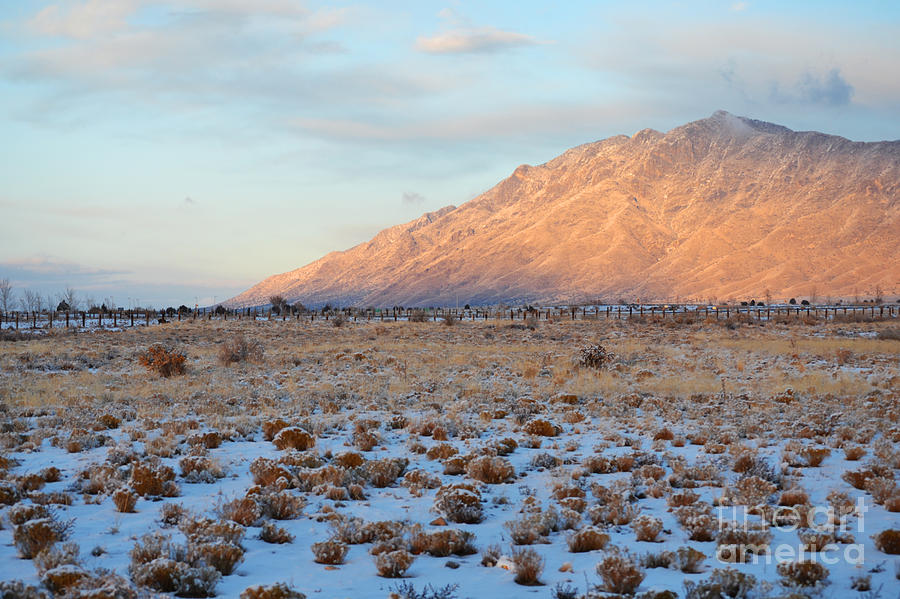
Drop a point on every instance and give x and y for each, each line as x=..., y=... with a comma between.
x=620, y=572
x=491, y=470
x=33, y=536
x=587, y=539
x=165, y=362
x=221, y=555
x=329, y=552
x=283, y=505
x=459, y=503
x=528, y=566
x=541, y=427
x=278, y=590
x=393, y=564
x=293, y=437
x=125, y=500
x=888, y=541
x=803, y=574
x=595, y=356
x=272, y=533
x=646, y=528
x=243, y=510
x=239, y=349
x=154, y=479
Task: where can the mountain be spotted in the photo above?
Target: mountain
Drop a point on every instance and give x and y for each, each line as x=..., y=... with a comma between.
x=724, y=207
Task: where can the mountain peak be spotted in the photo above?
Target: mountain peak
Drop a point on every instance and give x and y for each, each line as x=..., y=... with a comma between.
x=723, y=207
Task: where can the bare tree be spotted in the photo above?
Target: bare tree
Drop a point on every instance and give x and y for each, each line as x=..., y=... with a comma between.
x=6, y=294
x=70, y=297
x=879, y=294
x=31, y=301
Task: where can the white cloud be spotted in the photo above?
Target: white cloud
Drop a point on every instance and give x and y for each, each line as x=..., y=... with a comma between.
x=461, y=36
x=480, y=39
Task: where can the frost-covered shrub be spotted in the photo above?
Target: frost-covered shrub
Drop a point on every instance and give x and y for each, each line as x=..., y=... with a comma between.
x=688, y=560
x=200, y=469
x=647, y=528
x=587, y=539
x=594, y=356
x=620, y=572
x=243, y=510
x=459, y=503
x=221, y=555
x=888, y=541
x=491, y=470
x=271, y=533
x=384, y=472
x=154, y=479
x=542, y=428
x=278, y=590
x=443, y=543
x=294, y=438
x=125, y=500
x=393, y=564
x=802, y=574
x=239, y=349
x=281, y=506
x=163, y=361
x=528, y=565
x=33, y=536
x=329, y=552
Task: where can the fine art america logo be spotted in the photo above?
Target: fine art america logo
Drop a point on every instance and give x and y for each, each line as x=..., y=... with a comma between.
x=823, y=534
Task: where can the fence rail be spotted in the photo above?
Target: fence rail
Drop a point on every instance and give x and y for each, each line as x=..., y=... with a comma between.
x=133, y=318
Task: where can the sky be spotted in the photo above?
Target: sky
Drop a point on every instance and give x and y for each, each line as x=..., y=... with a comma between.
x=164, y=152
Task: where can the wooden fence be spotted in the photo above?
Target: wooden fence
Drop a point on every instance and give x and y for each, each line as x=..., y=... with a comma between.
x=132, y=318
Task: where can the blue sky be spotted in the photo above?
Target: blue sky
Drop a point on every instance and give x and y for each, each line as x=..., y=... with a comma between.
x=162, y=151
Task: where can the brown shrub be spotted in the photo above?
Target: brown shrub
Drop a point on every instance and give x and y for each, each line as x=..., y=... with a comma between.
x=171, y=514
x=441, y=451
x=349, y=459
x=393, y=564
x=682, y=499
x=881, y=489
x=596, y=464
x=858, y=478
x=647, y=528
x=792, y=497
x=528, y=566
x=281, y=506
x=620, y=572
x=269, y=473
x=443, y=543
x=221, y=555
x=271, y=428
x=587, y=539
x=165, y=362
x=204, y=530
x=294, y=438
x=383, y=473
x=688, y=560
x=239, y=349
x=663, y=434
x=888, y=541
x=271, y=533
x=804, y=574
x=329, y=552
x=279, y=590
x=33, y=536
x=541, y=428
x=155, y=479
x=459, y=503
x=125, y=500
x=243, y=510
x=491, y=470
x=752, y=490
x=854, y=452
x=21, y=513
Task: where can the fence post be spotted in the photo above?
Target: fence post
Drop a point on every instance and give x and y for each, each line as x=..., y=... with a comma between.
x=147, y=313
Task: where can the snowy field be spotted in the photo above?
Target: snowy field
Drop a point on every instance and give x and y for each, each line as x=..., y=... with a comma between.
x=695, y=458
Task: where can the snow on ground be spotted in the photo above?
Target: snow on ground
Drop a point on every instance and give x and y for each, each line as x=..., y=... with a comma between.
x=682, y=404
